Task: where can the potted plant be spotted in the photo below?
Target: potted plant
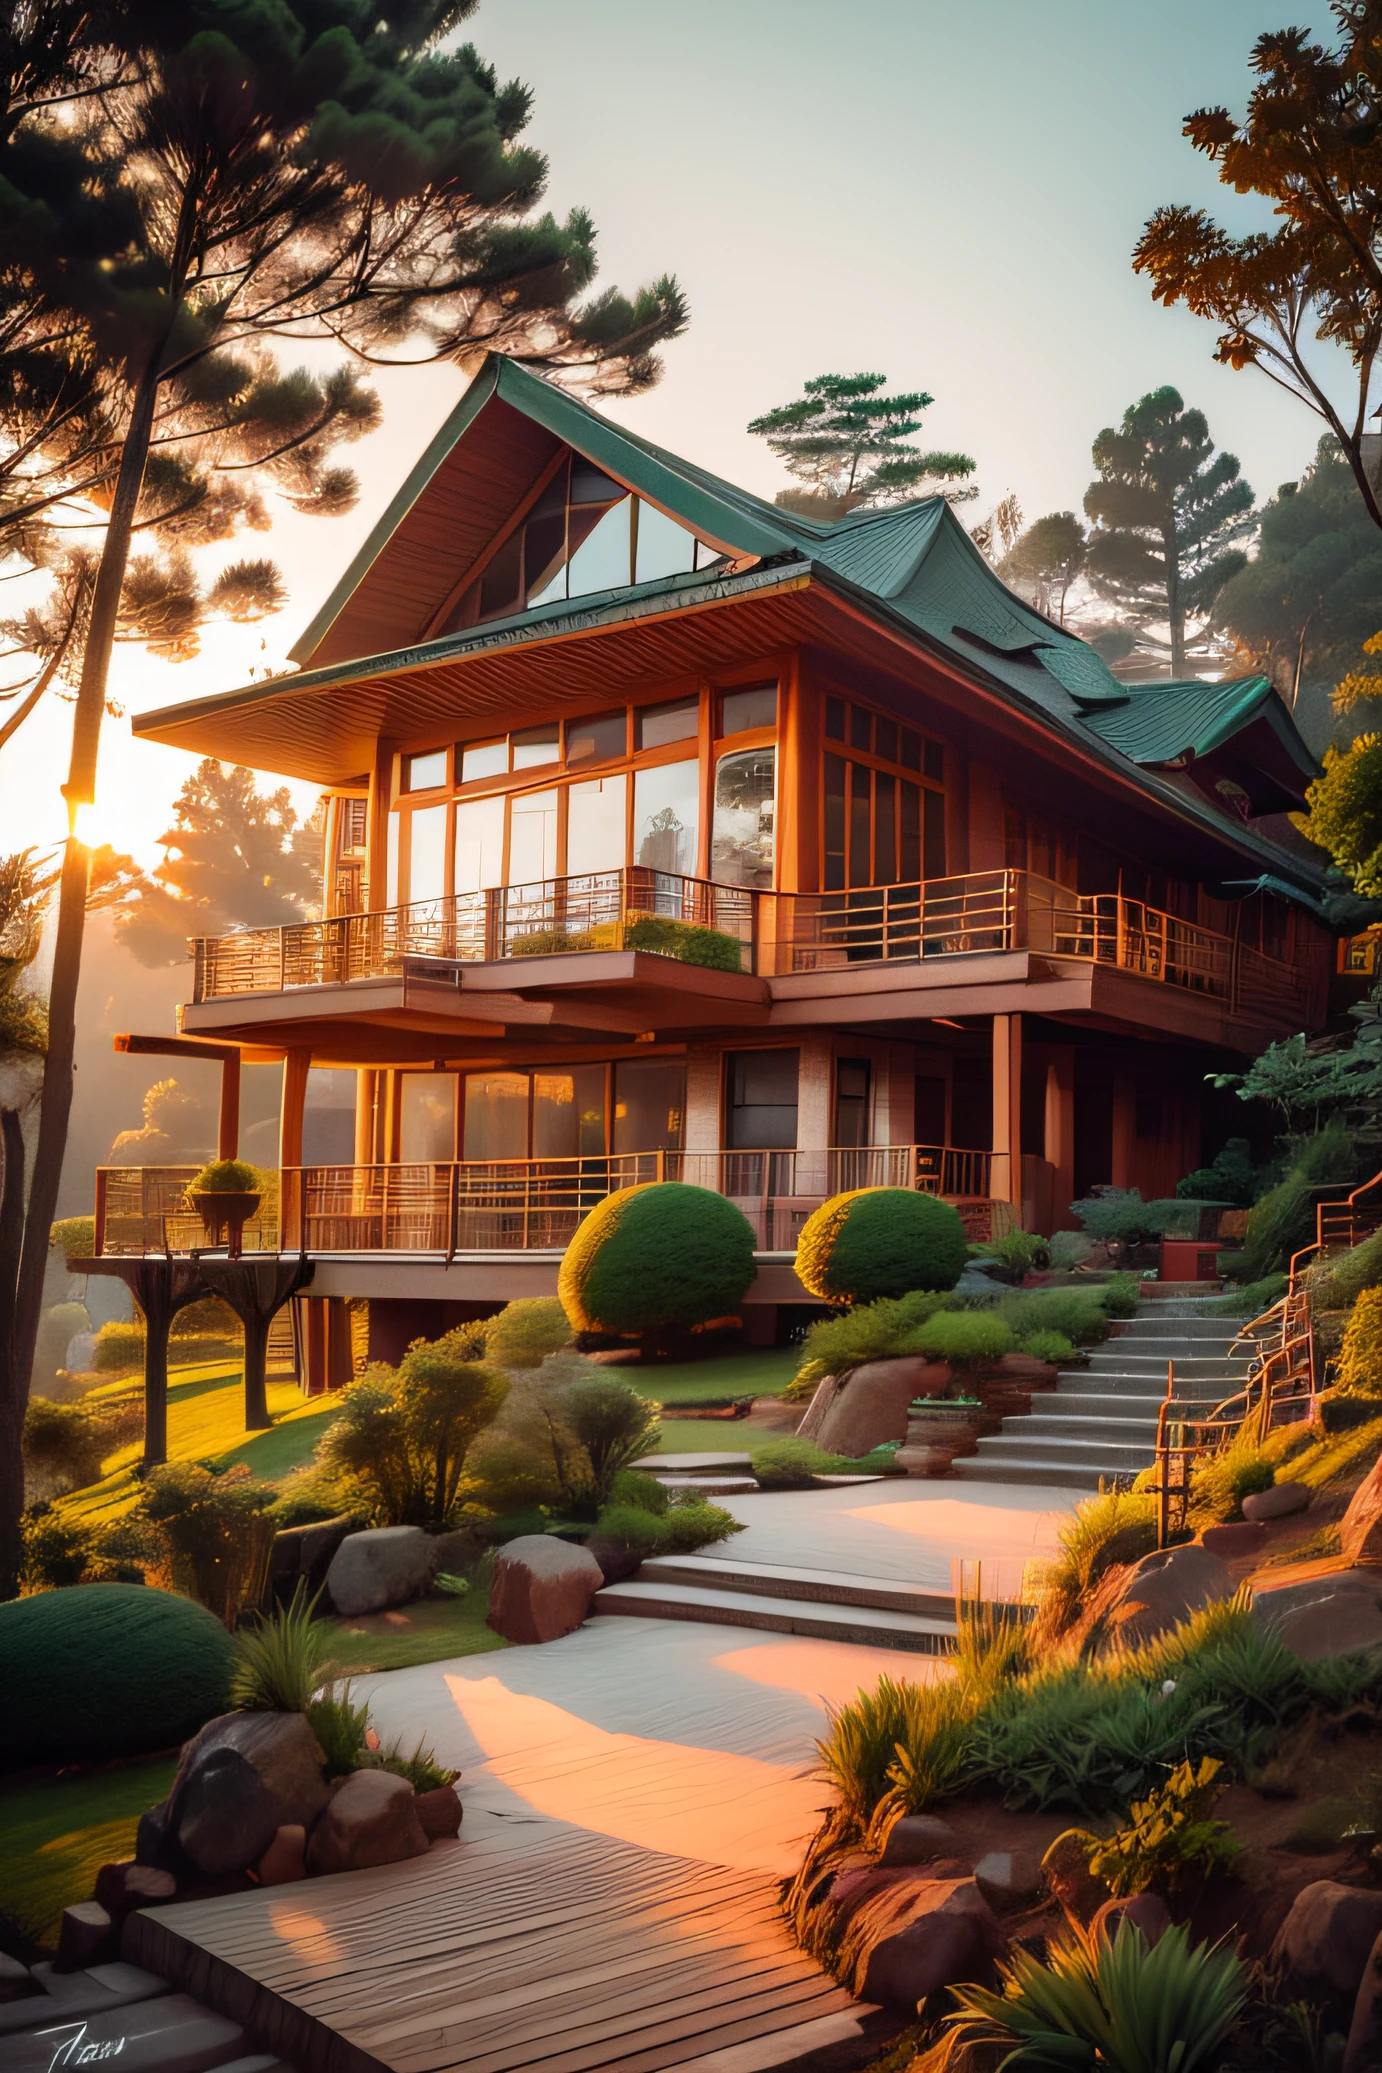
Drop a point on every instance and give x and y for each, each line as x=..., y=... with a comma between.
x=225, y=1195
x=939, y=1428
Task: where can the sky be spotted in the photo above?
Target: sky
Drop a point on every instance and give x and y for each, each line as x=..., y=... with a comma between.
x=941, y=192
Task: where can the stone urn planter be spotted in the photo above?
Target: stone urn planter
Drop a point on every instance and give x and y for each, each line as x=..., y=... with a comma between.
x=224, y=1213
x=939, y=1428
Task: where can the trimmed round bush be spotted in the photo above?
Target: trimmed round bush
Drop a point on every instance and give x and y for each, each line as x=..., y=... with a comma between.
x=1048, y=1346
x=104, y=1670
x=964, y=1338
x=880, y=1242
x=664, y=1255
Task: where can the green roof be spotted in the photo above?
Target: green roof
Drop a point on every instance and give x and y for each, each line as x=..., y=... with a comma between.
x=1161, y=723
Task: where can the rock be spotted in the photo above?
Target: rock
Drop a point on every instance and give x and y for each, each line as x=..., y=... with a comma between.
x=87, y=1937
x=285, y=1860
x=617, y=1565
x=542, y=1588
x=156, y=1843
x=80, y=1356
x=439, y=1812
x=16, y=1980
x=1330, y=1615
x=1009, y=1878
x=1065, y=1868
x=910, y=1936
x=869, y=1405
x=1235, y=1537
x=226, y=1816
x=380, y=1568
x=1360, y=1532
x=120, y=1888
x=1165, y=1588
x=916, y=1839
x=370, y=1818
x=303, y=1553
x=1363, y=2053
x=281, y=1747
x=1280, y=1502
x=1328, y=1937
x=1146, y=1911
x=826, y=1390
x=453, y=1553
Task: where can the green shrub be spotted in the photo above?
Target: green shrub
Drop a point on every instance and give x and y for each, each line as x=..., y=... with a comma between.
x=1069, y=1249
x=226, y=1177
x=1360, y=1359
x=553, y=942
x=613, y=1425
x=74, y=1237
x=119, y=1347
x=634, y=1486
x=65, y=1444
x=654, y=1259
x=340, y=1727
x=1052, y=1347
x=1020, y=1251
x=280, y=1661
x=1116, y=1526
x=421, y=1768
x=1230, y=1177
x=1116, y=1216
x=1169, y=1837
x=965, y=1338
x=880, y=1242
x=1349, y=1275
x=1122, y=1296
x=793, y=1464
x=1220, y=1481
x=689, y=1524
x=401, y=1438
x=57, y=1550
x=871, y=1331
x=1282, y=1222
x=216, y=1530
x=1076, y=1313
x=106, y=1670
x=629, y=1527
x=526, y=1331
x=513, y=1471
x=687, y=941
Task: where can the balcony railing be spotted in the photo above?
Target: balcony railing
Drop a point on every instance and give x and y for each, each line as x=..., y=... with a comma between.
x=524, y=1205
x=637, y=909
x=731, y=927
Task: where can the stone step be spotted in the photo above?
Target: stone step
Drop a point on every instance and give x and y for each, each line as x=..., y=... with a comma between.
x=1116, y=1426
x=818, y=1586
x=1115, y=1455
x=871, y=1627
x=1164, y=1324
x=693, y=1464
x=169, y=2034
x=710, y=1485
x=74, y=1995
x=1033, y=1468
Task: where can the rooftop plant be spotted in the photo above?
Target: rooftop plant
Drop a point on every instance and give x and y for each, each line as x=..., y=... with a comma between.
x=226, y=1177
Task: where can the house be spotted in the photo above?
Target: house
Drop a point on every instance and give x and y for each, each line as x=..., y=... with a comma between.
x=672, y=835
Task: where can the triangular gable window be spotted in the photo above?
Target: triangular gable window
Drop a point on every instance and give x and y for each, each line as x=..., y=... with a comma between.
x=586, y=533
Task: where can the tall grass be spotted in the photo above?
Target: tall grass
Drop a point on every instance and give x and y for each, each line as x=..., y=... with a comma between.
x=280, y=1662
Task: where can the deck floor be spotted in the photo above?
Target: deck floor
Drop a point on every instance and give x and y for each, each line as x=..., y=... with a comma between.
x=632, y=1796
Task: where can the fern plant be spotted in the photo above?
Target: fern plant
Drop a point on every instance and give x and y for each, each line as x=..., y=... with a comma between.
x=280, y=1662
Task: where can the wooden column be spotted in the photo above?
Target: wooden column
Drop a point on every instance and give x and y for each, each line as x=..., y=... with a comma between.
x=228, y=1120
x=296, y=1066
x=1060, y=1133
x=1006, y=1181
x=1124, y=1126
x=377, y=826
x=366, y=1094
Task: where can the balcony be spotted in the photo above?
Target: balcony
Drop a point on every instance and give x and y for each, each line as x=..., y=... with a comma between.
x=521, y=1205
x=730, y=928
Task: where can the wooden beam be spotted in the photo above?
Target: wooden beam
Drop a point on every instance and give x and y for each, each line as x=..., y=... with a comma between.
x=228, y=1119
x=296, y=1067
x=1006, y=1183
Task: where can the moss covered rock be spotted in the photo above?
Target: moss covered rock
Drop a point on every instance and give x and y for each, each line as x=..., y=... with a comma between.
x=880, y=1242
x=103, y=1670
x=660, y=1257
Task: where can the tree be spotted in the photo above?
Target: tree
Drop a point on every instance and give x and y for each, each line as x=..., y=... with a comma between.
x=1166, y=511
x=234, y=857
x=1308, y=600
x=1346, y=812
x=850, y=444
x=179, y=1130
x=1045, y=560
x=275, y=172
x=1310, y=144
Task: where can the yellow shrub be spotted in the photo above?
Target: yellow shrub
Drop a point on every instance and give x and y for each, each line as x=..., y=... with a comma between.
x=1360, y=1359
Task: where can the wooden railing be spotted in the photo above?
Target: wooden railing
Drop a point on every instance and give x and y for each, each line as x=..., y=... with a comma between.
x=1344, y=1217
x=504, y=1205
x=603, y=910
x=1282, y=1389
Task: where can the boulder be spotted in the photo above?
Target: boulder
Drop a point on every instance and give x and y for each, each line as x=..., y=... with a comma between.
x=453, y=1552
x=1360, y=1531
x=1280, y=1502
x=917, y=1838
x=1065, y=1868
x=87, y=1936
x=869, y=1405
x=226, y=1816
x=370, y=1818
x=121, y=1888
x=243, y=1777
x=1009, y=1878
x=1328, y=1937
x=1165, y=1588
x=380, y=1568
x=1235, y=1537
x=302, y=1554
x=156, y=1842
x=810, y=1426
x=909, y=1936
x=1146, y=1911
x=1330, y=1615
x=439, y=1812
x=542, y=1588
x=1363, y=2053
x=285, y=1860
x=283, y=1750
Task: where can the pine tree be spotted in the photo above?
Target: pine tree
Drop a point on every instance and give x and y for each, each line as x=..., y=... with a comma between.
x=1045, y=561
x=230, y=176
x=850, y=444
x=1166, y=510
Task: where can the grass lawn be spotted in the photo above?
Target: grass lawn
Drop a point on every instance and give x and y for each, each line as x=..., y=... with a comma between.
x=56, y=1832
x=764, y=1371
x=426, y=1632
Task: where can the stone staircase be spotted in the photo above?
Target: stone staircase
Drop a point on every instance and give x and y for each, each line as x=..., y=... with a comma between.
x=1100, y=1421
x=119, y=2012
x=878, y=1611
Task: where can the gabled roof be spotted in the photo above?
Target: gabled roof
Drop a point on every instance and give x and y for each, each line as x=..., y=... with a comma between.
x=1161, y=723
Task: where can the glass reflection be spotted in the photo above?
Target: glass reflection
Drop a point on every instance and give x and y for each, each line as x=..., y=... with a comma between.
x=743, y=831
x=666, y=817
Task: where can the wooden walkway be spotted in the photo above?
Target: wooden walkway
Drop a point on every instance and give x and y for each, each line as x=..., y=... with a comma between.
x=528, y=1944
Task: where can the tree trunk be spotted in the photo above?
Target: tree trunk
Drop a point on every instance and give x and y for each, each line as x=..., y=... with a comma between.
x=12, y=1398
x=56, y=1101
x=1175, y=609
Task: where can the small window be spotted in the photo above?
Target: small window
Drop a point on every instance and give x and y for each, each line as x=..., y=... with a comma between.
x=483, y=759
x=536, y=746
x=911, y=750
x=834, y=719
x=424, y=773
x=935, y=762
x=885, y=740
x=597, y=739
x=754, y=706
x=501, y=585
x=352, y=824
x=678, y=720
x=860, y=728
x=853, y=1077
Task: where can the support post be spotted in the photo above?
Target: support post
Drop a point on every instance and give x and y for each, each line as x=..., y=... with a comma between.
x=1124, y=1127
x=1005, y=1184
x=228, y=1120
x=1060, y=1133
x=296, y=1066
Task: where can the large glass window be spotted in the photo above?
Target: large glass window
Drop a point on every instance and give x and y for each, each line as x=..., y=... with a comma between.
x=663, y=547
x=484, y=759
x=532, y=837
x=427, y=854
x=660, y=725
x=649, y=1105
x=569, y=1113
x=536, y=746
x=595, y=834
x=427, y=1116
x=666, y=817
x=602, y=562
x=479, y=844
x=424, y=773
x=878, y=829
x=743, y=832
x=761, y=1100
x=496, y=1115
x=598, y=739
x=755, y=705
